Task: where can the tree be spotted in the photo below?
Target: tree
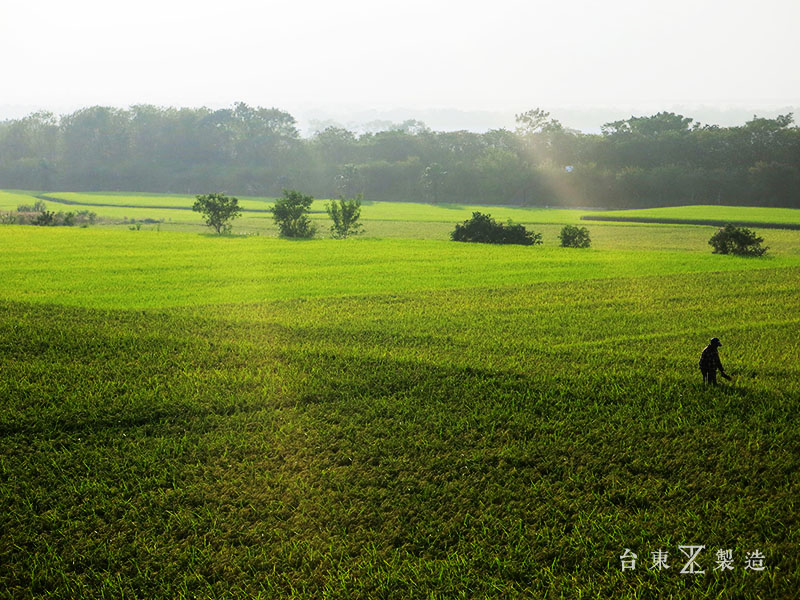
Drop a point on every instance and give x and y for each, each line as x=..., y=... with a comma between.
x=217, y=210
x=737, y=240
x=291, y=214
x=432, y=180
x=536, y=121
x=335, y=145
x=574, y=237
x=659, y=125
x=348, y=181
x=345, y=214
x=484, y=229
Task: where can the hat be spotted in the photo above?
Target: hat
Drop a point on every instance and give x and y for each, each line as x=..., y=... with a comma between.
x=715, y=342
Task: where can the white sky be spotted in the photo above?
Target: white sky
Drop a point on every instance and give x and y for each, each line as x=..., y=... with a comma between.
x=488, y=55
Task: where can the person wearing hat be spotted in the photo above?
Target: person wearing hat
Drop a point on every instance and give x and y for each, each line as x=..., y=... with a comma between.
x=709, y=362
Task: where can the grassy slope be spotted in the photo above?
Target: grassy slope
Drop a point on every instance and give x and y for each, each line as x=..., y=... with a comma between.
x=747, y=214
x=9, y=200
x=191, y=415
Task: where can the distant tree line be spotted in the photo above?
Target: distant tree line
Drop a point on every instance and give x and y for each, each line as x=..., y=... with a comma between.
x=658, y=160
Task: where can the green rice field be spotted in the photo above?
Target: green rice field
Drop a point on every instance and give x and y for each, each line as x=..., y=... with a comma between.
x=186, y=415
x=732, y=214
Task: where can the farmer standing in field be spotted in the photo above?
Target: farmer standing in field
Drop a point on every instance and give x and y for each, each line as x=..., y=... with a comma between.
x=709, y=362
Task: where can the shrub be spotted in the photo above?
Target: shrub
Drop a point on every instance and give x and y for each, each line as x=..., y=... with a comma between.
x=218, y=210
x=483, y=229
x=291, y=214
x=47, y=218
x=83, y=218
x=38, y=207
x=345, y=215
x=574, y=237
x=737, y=240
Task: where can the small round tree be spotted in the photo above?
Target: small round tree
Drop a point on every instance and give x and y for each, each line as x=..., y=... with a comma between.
x=291, y=214
x=737, y=240
x=218, y=210
x=574, y=237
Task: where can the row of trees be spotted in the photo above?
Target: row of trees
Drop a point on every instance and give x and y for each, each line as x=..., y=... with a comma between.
x=653, y=160
x=289, y=212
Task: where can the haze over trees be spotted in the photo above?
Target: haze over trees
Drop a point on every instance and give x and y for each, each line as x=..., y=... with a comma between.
x=657, y=160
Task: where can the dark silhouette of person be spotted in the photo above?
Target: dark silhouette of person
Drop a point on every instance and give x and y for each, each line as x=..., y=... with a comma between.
x=710, y=363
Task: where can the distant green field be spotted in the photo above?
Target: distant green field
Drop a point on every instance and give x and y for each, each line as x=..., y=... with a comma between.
x=745, y=214
x=384, y=211
x=188, y=415
x=9, y=200
x=171, y=201
x=110, y=269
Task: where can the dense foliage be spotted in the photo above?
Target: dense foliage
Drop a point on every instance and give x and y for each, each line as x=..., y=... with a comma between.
x=574, y=237
x=290, y=214
x=737, y=240
x=218, y=210
x=655, y=160
x=345, y=214
x=484, y=229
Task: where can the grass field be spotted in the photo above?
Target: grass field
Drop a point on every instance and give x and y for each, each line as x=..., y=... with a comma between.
x=186, y=415
x=716, y=214
x=382, y=219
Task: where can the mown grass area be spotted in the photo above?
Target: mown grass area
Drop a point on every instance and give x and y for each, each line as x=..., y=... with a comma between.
x=734, y=214
x=189, y=415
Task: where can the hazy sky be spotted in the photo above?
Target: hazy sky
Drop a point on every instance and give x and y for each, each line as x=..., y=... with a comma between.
x=488, y=55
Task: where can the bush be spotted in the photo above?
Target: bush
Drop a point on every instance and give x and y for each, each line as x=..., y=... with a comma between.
x=291, y=214
x=83, y=218
x=217, y=210
x=574, y=237
x=46, y=219
x=38, y=207
x=485, y=230
x=737, y=240
x=345, y=214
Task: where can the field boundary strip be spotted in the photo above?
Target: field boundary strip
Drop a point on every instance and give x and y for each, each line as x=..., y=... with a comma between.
x=154, y=206
x=709, y=222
